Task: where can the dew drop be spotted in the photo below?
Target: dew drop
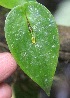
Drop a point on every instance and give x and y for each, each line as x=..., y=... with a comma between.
x=24, y=54
x=53, y=46
x=11, y=45
x=45, y=80
x=37, y=45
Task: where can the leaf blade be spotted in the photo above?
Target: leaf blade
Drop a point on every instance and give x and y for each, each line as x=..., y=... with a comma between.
x=12, y=3
x=38, y=60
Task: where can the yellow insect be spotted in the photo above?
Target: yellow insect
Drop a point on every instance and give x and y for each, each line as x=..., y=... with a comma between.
x=33, y=40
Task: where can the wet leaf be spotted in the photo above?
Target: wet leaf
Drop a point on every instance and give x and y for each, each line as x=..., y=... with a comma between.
x=12, y=3
x=33, y=40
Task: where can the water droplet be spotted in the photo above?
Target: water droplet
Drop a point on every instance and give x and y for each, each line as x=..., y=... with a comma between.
x=16, y=39
x=45, y=75
x=49, y=25
x=53, y=46
x=11, y=45
x=25, y=54
x=26, y=67
x=45, y=80
x=53, y=56
x=35, y=57
x=37, y=45
x=34, y=27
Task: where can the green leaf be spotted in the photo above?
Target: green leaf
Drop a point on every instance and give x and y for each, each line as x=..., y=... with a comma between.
x=33, y=40
x=12, y=3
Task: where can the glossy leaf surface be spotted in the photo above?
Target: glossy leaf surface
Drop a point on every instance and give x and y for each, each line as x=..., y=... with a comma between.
x=12, y=3
x=33, y=40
